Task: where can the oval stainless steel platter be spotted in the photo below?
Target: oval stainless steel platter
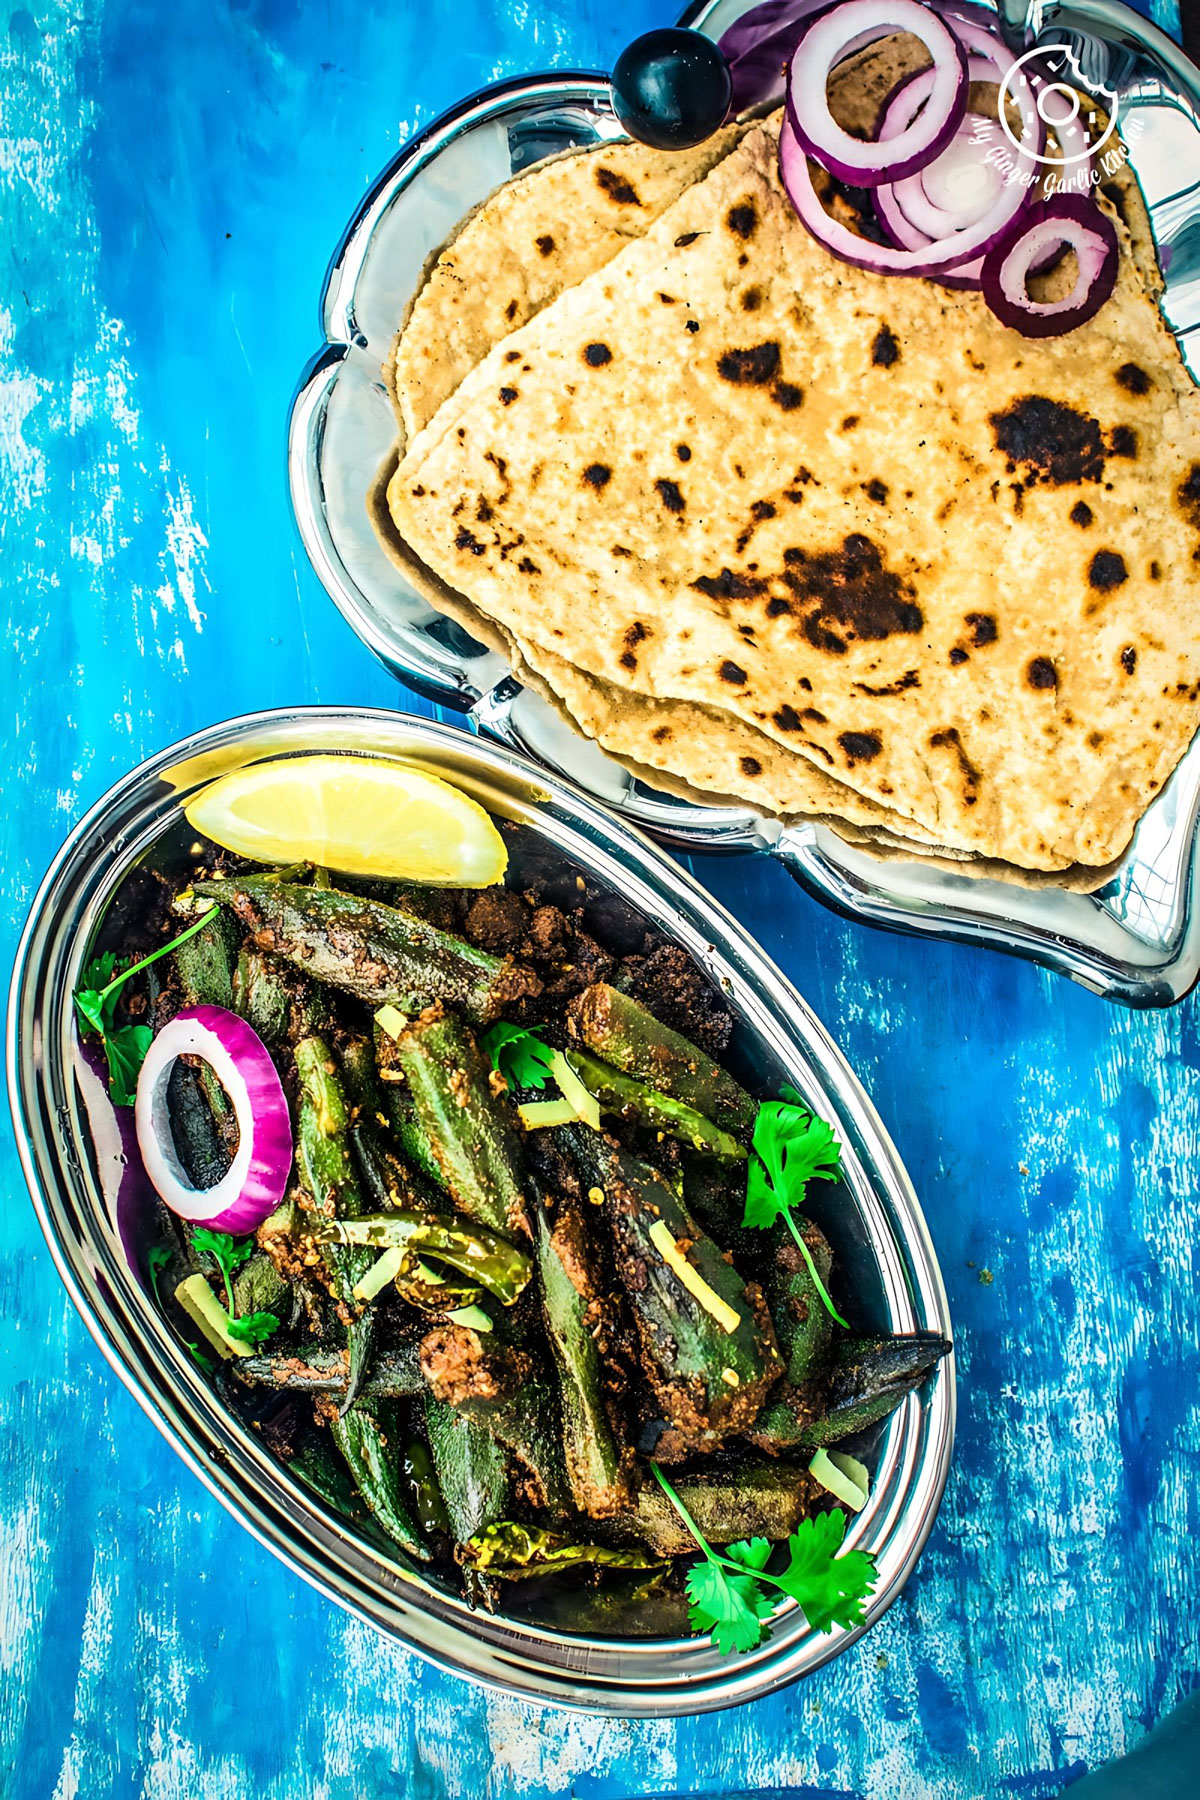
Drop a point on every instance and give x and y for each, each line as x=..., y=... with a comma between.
x=1137, y=938
x=876, y=1228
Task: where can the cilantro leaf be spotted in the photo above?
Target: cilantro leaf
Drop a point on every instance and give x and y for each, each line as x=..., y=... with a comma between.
x=730, y=1606
x=255, y=1328
x=156, y=1261
x=791, y=1146
x=519, y=1055
x=228, y=1255
x=96, y=1001
x=751, y=1553
x=125, y=1047
x=828, y=1588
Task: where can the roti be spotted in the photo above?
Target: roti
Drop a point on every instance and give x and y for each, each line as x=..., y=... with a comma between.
x=539, y=234
x=949, y=568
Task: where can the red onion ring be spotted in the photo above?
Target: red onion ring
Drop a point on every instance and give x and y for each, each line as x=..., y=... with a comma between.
x=951, y=253
x=1069, y=219
x=258, y=1178
x=825, y=42
x=1002, y=198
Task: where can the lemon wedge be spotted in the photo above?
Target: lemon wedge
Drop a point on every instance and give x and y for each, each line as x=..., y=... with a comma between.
x=357, y=815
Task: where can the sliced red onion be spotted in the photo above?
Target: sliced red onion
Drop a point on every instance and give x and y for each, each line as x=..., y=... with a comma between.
x=967, y=169
x=127, y=1193
x=950, y=253
x=866, y=164
x=1066, y=219
x=258, y=1176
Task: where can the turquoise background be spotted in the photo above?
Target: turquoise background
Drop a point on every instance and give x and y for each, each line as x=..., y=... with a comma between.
x=172, y=179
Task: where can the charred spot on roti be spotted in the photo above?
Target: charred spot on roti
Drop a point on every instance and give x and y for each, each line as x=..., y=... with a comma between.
x=1128, y=659
x=683, y=452
x=909, y=679
x=751, y=299
x=466, y=540
x=545, y=244
x=982, y=627
x=511, y=356
x=876, y=490
x=1082, y=514
x=1107, y=571
x=507, y=395
x=850, y=421
x=668, y=299
x=762, y=509
x=742, y=220
x=597, y=476
x=689, y=237
x=1056, y=443
x=635, y=635
x=732, y=672
x=1041, y=675
x=948, y=739
x=483, y=510
x=1133, y=379
x=621, y=550
x=958, y=655
x=729, y=586
x=1188, y=496
x=885, y=350
x=777, y=606
x=787, y=396
x=814, y=717
x=1122, y=441
x=669, y=494
x=693, y=325
x=510, y=311
x=661, y=733
x=754, y=367
x=1155, y=571
x=850, y=593
x=618, y=190
x=596, y=355
x=787, y=719
x=750, y=765
x=527, y=566
x=860, y=746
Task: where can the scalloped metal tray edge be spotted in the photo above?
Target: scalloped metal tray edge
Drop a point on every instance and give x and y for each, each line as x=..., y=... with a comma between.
x=1136, y=939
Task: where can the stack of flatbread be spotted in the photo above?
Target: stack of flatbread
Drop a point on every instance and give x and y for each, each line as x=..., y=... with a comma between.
x=775, y=529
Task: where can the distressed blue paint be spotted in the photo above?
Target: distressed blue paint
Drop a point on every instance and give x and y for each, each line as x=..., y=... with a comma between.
x=170, y=180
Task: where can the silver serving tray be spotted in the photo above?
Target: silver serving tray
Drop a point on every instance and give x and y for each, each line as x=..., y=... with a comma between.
x=875, y=1225
x=1137, y=939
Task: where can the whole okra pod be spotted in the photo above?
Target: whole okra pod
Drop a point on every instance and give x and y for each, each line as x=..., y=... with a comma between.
x=369, y=1438
x=635, y=1101
x=375, y=952
x=623, y=1032
x=708, y=1346
x=467, y=1125
x=597, y=1465
x=327, y=1166
x=394, y=1374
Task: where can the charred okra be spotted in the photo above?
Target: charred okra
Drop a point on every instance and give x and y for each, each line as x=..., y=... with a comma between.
x=467, y=1125
x=394, y=1373
x=621, y=1031
x=708, y=1347
x=472, y=1469
x=369, y=1438
x=597, y=1468
x=328, y=1169
x=378, y=953
x=639, y=1104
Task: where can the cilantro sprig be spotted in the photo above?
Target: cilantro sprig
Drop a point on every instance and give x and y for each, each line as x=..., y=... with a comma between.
x=519, y=1055
x=726, y=1592
x=229, y=1255
x=791, y=1146
x=125, y=1046
x=156, y=1261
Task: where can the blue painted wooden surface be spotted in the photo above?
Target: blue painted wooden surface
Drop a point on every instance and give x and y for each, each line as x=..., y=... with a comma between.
x=171, y=178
